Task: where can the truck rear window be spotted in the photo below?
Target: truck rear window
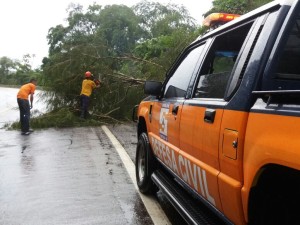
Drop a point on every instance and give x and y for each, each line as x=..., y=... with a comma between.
x=218, y=65
x=289, y=61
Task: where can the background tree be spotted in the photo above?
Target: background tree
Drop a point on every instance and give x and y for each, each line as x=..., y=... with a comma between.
x=253, y=4
x=15, y=72
x=235, y=6
x=120, y=29
x=104, y=41
x=158, y=19
x=7, y=66
x=168, y=30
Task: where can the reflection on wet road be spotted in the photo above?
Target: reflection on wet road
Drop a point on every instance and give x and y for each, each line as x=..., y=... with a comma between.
x=65, y=176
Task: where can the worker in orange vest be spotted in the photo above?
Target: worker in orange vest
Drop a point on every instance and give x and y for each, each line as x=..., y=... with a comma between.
x=22, y=98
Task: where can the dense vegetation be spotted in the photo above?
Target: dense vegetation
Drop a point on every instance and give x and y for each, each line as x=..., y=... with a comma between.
x=120, y=45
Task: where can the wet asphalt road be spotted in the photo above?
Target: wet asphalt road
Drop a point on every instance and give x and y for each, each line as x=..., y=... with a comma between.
x=65, y=176
x=68, y=176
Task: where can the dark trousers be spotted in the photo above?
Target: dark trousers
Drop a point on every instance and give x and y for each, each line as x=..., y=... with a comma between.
x=85, y=101
x=24, y=114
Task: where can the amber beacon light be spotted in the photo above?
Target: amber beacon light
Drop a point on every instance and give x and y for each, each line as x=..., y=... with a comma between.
x=216, y=19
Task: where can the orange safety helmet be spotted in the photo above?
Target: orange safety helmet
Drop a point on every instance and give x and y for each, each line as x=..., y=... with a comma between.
x=88, y=74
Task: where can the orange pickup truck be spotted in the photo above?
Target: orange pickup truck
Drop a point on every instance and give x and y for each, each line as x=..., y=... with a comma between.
x=223, y=129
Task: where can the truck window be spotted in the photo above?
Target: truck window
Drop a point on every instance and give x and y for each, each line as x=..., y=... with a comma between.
x=218, y=65
x=289, y=60
x=178, y=83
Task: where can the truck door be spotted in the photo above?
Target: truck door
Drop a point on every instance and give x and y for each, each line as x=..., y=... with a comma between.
x=166, y=113
x=201, y=137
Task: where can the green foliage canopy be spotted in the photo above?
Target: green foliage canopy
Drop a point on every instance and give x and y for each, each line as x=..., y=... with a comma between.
x=235, y=6
x=119, y=45
x=15, y=72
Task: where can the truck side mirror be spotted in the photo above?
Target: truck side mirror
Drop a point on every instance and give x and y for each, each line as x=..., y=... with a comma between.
x=152, y=88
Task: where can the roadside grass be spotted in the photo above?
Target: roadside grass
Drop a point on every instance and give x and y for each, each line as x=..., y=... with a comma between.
x=61, y=118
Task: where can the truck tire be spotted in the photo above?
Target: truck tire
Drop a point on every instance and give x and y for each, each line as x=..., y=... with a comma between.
x=144, y=165
x=276, y=209
x=277, y=199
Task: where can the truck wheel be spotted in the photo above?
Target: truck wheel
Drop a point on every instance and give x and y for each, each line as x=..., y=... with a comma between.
x=144, y=165
x=276, y=205
x=276, y=209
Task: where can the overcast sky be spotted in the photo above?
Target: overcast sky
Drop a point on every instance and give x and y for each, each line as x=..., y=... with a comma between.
x=24, y=24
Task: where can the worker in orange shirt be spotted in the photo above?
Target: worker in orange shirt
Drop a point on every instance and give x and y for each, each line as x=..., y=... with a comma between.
x=24, y=106
x=88, y=85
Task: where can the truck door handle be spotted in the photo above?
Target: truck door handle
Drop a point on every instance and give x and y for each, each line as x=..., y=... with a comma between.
x=175, y=109
x=209, y=116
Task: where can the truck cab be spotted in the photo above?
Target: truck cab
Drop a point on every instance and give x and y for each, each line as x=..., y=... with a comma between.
x=222, y=127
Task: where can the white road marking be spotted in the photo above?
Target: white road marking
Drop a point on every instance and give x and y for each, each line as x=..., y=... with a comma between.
x=154, y=209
